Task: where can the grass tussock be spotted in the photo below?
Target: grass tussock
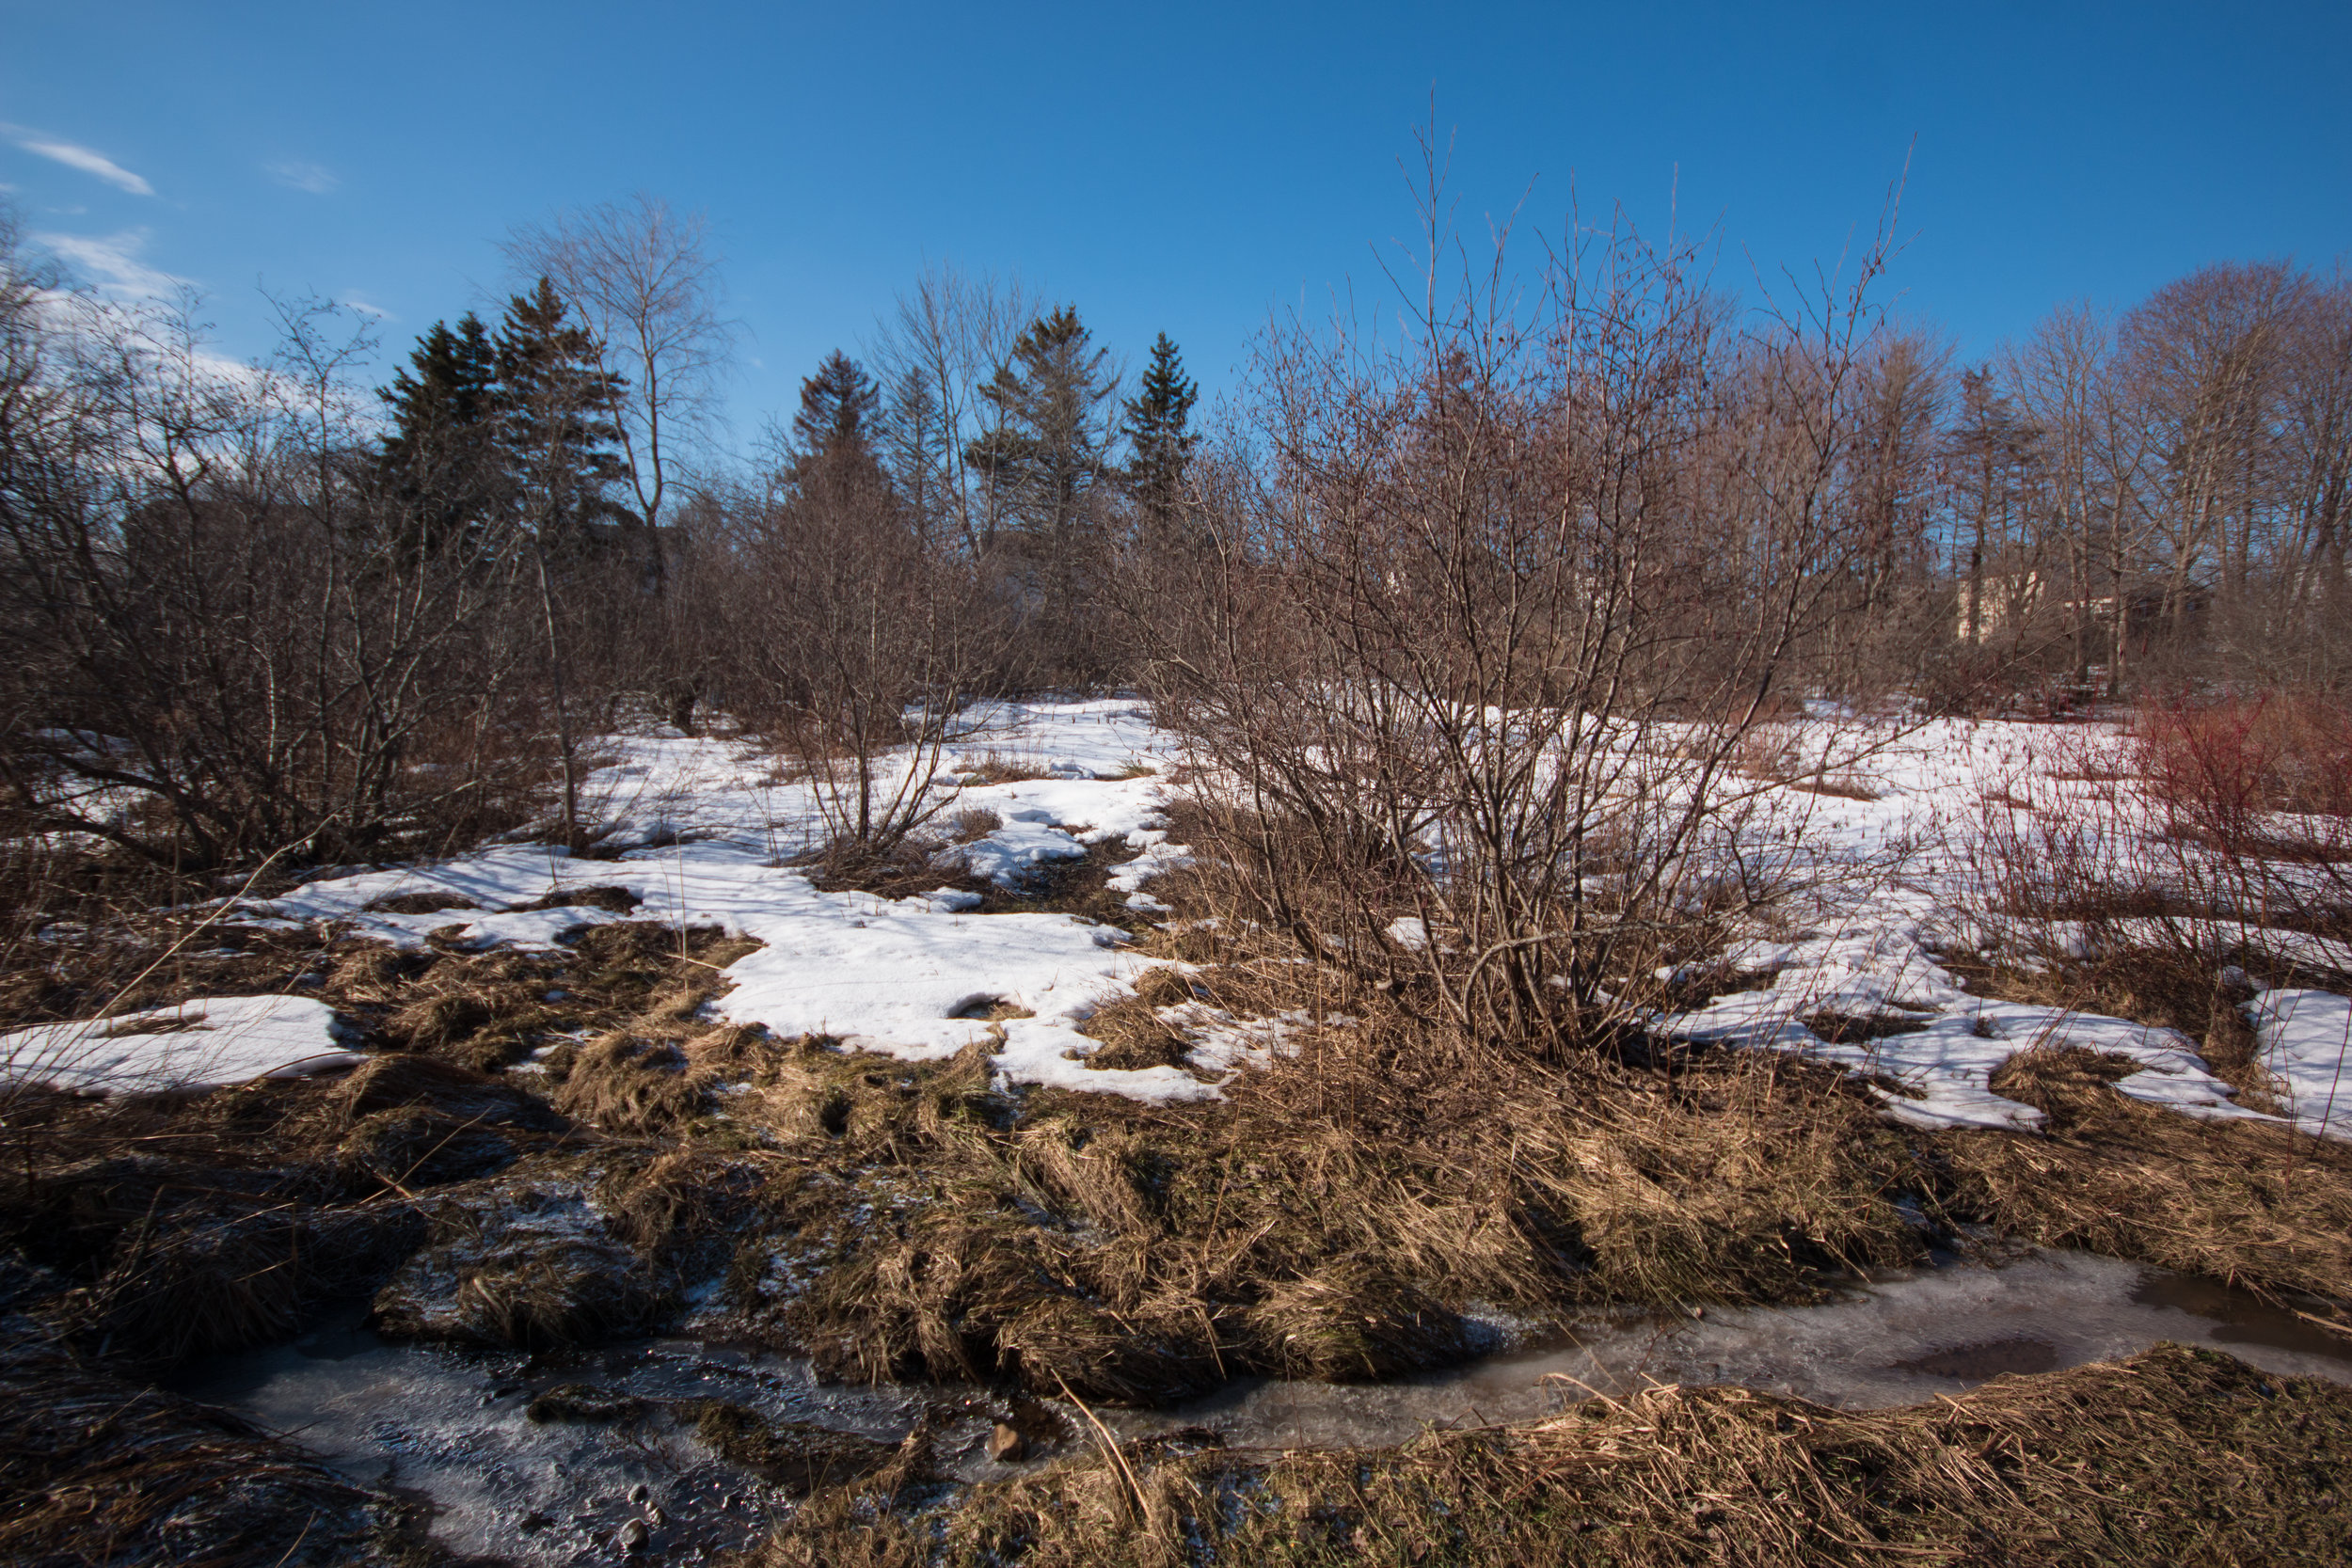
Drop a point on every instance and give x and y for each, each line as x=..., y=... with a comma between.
x=2256, y=1205
x=1133, y=1033
x=796, y=1455
x=2174, y=1456
x=1078, y=885
x=1323, y=1223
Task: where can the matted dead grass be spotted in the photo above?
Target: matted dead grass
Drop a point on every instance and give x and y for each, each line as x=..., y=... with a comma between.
x=2255, y=1205
x=2176, y=1455
x=1314, y=1223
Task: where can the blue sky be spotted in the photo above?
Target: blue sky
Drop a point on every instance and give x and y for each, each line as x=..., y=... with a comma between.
x=1190, y=169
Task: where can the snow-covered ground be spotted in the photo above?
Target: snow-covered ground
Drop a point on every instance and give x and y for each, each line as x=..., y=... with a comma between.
x=922, y=977
x=1868, y=945
x=200, y=1043
x=912, y=977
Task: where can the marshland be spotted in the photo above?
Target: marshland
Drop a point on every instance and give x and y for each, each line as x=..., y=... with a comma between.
x=1612, y=915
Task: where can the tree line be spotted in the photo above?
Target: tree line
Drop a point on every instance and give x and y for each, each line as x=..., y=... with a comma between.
x=278, y=610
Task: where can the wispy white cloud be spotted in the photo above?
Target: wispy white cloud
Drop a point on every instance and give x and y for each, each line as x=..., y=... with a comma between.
x=73, y=156
x=302, y=175
x=112, y=263
x=365, y=306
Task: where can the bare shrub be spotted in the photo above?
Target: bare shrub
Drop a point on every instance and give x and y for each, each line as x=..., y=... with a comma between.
x=1481, y=643
x=220, y=636
x=861, y=653
x=2268, y=774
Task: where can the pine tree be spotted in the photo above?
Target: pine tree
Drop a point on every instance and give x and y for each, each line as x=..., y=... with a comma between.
x=556, y=431
x=441, y=464
x=1049, y=451
x=1160, y=446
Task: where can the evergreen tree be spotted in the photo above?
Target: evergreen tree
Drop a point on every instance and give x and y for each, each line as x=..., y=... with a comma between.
x=836, y=411
x=556, y=431
x=834, y=470
x=1160, y=445
x=441, y=464
x=1049, y=451
x=918, y=450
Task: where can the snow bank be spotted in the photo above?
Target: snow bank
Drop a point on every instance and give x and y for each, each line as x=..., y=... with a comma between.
x=202, y=1043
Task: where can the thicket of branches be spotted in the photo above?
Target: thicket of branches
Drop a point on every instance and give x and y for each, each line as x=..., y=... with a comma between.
x=1484, y=636
x=2161, y=495
x=1449, y=589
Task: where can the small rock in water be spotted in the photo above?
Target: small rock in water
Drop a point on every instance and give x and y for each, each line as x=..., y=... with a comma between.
x=640, y=1492
x=634, y=1535
x=1005, y=1445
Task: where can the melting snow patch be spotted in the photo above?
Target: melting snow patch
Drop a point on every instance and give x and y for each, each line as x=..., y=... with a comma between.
x=1938, y=1044
x=202, y=1043
x=2304, y=1037
x=874, y=974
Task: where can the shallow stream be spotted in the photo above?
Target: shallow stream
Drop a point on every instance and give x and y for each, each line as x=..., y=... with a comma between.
x=450, y=1425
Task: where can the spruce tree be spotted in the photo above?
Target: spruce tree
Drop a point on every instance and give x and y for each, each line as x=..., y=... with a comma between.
x=439, y=466
x=836, y=411
x=1049, y=451
x=834, y=470
x=556, y=431
x=917, y=449
x=1160, y=445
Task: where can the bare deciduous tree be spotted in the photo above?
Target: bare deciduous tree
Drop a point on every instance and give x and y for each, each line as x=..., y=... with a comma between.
x=945, y=338
x=644, y=281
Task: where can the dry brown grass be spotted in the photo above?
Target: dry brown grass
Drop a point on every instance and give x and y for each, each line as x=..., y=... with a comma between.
x=193, y=1223
x=2174, y=1456
x=2168, y=987
x=792, y=1454
x=1001, y=768
x=1332, y=1217
x=1131, y=1029
x=1331, y=1221
x=972, y=824
x=2254, y=1205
